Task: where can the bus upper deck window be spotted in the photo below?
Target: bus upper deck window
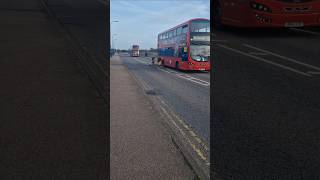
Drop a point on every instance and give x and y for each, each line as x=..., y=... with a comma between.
x=185, y=29
x=179, y=30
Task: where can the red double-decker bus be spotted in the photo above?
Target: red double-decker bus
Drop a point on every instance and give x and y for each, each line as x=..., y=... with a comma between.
x=266, y=13
x=135, y=51
x=186, y=46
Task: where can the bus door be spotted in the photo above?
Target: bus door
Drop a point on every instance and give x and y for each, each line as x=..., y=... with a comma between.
x=183, y=53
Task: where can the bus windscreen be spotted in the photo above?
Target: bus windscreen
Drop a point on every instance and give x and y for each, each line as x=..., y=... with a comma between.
x=200, y=26
x=200, y=52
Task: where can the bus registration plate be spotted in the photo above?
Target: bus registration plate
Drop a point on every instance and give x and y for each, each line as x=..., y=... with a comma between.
x=293, y=24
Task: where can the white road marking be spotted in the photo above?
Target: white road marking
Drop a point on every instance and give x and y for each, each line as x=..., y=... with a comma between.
x=188, y=76
x=192, y=79
x=183, y=76
x=143, y=62
x=306, y=31
x=258, y=53
x=283, y=57
x=220, y=40
x=265, y=60
x=313, y=72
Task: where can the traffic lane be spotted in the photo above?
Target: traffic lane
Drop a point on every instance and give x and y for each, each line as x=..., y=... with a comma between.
x=177, y=91
x=291, y=44
x=188, y=99
x=270, y=53
x=310, y=30
x=86, y=20
x=51, y=114
x=300, y=46
x=202, y=75
x=265, y=120
x=185, y=75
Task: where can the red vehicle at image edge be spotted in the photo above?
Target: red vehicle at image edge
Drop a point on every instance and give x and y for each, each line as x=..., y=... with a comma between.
x=135, y=51
x=266, y=13
x=186, y=46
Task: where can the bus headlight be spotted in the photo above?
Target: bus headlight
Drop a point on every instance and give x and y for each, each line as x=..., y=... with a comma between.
x=260, y=7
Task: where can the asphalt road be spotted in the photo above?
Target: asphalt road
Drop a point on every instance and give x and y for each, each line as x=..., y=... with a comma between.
x=86, y=20
x=187, y=93
x=53, y=121
x=266, y=104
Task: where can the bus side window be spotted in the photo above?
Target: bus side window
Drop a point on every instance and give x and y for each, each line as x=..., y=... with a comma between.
x=179, y=30
x=161, y=52
x=176, y=52
x=185, y=29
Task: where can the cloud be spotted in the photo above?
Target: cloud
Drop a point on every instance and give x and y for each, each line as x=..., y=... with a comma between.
x=142, y=20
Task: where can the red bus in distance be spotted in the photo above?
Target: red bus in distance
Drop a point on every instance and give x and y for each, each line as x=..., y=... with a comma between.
x=266, y=13
x=135, y=51
x=186, y=46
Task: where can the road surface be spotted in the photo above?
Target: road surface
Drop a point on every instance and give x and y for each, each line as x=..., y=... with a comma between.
x=187, y=93
x=86, y=20
x=266, y=97
x=53, y=121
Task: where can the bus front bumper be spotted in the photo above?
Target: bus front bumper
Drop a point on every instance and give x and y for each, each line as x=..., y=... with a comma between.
x=260, y=19
x=197, y=67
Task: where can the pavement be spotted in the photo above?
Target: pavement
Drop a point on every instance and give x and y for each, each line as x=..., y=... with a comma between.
x=266, y=104
x=53, y=122
x=141, y=145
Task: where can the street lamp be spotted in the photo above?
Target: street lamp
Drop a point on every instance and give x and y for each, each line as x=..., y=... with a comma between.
x=114, y=21
x=110, y=32
x=112, y=39
x=114, y=45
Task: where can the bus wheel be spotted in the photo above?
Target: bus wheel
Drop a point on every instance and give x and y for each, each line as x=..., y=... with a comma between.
x=217, y=14
x=177, y=65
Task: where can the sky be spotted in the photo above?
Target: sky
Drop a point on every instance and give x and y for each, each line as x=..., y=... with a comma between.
x=140, y=21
